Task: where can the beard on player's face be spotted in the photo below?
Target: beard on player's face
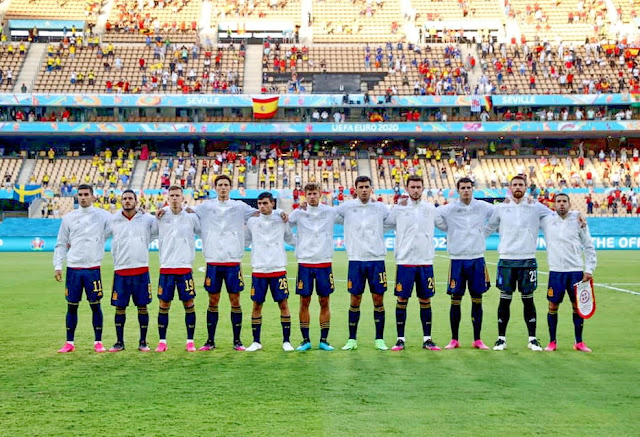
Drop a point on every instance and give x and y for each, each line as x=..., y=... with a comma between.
x=517, y=193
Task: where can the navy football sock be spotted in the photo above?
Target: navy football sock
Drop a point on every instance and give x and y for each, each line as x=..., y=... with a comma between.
x=401, y=317
x=324, y=331
x=236, y=322
x=378, y=318
x=455, y=316
x=212, y=322
x=163, y=323
x=190, y=321
x=72, y=320
x=476, y=316
x=143, y=321
x=425, y=317
x=256, y=327
x=504, y=314
x=304, y=330
x=552, y=320
x=354, y=318
x=529, y=312
x=578, y=323
x=285, y=321
x=97, y=320
x=120, y=319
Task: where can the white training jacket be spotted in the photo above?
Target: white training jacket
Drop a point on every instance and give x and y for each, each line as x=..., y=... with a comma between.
x=267, y=234
x=364, y=229
x=414, y=224
x=131, y=239
x=81, y=238
x=176, y=241
x=314, y=239
x=223, y=234
x=518, y=225
x=566, y=243
x=464, y=225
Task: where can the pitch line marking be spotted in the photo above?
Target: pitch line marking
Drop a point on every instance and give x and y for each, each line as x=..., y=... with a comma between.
x=624, y=290
x=608, y=286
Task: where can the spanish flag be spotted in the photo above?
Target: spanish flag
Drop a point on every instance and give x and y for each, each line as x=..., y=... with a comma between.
x=26, y=193
x=265, y=108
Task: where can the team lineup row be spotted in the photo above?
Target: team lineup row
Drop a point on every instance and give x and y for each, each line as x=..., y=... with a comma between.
x=228, y=226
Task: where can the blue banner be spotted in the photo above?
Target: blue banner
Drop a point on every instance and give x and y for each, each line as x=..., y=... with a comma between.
x=113, y=100
x=47, y=244
x=404, y=129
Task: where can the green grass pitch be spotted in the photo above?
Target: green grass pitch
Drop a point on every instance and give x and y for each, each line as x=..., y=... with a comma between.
x=365, y=392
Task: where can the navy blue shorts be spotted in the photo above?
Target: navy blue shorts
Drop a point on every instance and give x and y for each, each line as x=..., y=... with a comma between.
x=323, y=280
x=137, y=287
x=169, y=282
x=231, y=275
x=471, y=273
x=360, y=272
x=421, y=276
x=522, y=274
x=559, y=282
x=278, y=285
x=88, y=280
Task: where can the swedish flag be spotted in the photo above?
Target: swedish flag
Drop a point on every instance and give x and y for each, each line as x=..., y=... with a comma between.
x=26, y=193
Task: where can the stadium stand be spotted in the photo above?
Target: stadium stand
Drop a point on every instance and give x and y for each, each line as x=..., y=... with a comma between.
x=568, y=21
x=563, y=69
x=12, y=58
x=9, y=169
x=70, y=172
x=357, y=22
x=137, y=69
x=131, y=21
x=331, y=171
x=238, y=11
x=395, y=69
x=87, y=10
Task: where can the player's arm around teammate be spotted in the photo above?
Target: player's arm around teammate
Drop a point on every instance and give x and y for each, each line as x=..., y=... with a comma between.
x=267, y=234
x=314, y=251
x=81, y=243
x=567, y=242
x=414, y=253
x=177, y=231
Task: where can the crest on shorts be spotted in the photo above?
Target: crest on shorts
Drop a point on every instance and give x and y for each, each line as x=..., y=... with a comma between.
x=207, y=282
x=253, y=291
x=300, y=285
x=452, y=283
x=550, y=292
x=398, y=287
x=159, y=290
x=114, y=295
x=349, y=284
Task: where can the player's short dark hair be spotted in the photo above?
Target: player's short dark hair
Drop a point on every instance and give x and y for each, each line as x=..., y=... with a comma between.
x=562, y=194
x=266, y=195
x=312, y=186
x=522, y=178
x=222, y=177
x=362, y=179
x=135, y=196
x=175, y=187
x=415, y=178
x=85, y=187
x=464, y=181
